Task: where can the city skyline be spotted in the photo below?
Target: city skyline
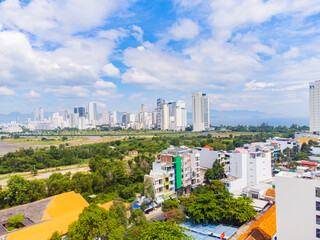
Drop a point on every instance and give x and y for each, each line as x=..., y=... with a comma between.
x=246, y=55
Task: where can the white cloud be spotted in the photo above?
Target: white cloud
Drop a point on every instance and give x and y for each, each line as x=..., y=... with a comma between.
x=32, y=94
x=184, y=29
x=292, y=53
x=104, y=84
x=137, y=32
x=111, y=71
x=6, y=91
x=106, y=94
x=54, y=20
x=135, y=75
x=69, y=91
x=254, y=85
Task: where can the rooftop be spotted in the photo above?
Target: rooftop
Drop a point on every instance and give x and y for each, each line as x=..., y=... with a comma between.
x=264, y=228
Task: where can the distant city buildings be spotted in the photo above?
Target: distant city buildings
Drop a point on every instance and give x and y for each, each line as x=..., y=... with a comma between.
x=167, y=116
x=200, y=111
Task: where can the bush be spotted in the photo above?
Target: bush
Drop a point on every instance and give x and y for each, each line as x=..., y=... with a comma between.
x=169, y=204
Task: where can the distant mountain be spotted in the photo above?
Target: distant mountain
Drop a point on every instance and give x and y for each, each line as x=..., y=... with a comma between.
x=245, y=117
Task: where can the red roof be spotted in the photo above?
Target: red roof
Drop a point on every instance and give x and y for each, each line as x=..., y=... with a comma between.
x=274, y=144
x=309, y=163
x=208, y=147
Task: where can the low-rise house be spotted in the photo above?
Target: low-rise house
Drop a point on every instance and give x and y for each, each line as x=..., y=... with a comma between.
x=284, y=143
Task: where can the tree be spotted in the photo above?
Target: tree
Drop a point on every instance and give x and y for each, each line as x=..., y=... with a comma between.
x=305, y=148
x=148, y=190
x=64, y=138
x=95, y=222
x=216, y=172
x=301, y=156
x=15, y=222
x=157, y=231
x=217, y=186
x=56, y=236
x=169, y=204
x=18, y=188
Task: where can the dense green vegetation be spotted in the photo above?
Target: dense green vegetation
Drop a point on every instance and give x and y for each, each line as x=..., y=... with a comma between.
x=213, y=204
x=30, y=159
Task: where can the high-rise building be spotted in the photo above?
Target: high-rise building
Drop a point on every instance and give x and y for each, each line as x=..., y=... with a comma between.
x=160, y=102
x=165, y=117
x=314, y=106
x=82, y=111
x=92, y=111
x=298, y=205
x=38, y=114
x=105, y=117
x=200, y=111
x=113, y=118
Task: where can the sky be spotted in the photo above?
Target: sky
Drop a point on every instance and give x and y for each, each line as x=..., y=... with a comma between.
x=256, y=55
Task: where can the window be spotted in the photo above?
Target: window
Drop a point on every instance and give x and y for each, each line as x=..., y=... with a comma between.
x=318, y=206
x=317, y=192
x=318, y=219
x=318, y=233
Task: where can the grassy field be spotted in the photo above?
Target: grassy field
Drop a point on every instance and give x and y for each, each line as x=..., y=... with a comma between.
x=37, y=141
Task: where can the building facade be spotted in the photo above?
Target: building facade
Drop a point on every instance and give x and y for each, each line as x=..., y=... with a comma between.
x=314, y=106
x=298, y=206
x=200, y=111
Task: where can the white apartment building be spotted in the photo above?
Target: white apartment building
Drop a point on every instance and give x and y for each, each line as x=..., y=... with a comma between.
x=298, y=206
x=200, y=111
x=284, y=142
x=248, y=167
x=165, y=117
x=105, y=117
x=92, y=112
x=113, y=118
x=314, y=106
x=208, y=157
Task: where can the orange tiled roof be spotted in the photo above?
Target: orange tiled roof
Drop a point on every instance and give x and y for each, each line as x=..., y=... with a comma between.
x=266, y=225
x=270, y=194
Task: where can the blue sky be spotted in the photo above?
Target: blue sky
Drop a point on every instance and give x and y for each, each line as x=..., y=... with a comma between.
x=246, y=54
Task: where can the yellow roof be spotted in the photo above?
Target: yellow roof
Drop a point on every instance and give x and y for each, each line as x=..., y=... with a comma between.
x=266, y=223
x=306, y=140
x=44, y=230
x=61, y=212
x=63, y=204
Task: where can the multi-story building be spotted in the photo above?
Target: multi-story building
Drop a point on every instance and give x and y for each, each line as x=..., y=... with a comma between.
x=208, y=157
x=162, y=176
x=160, y=102
x=165, y=117
x=314, y=106
x=184, y=163
x=248, y=167
x=200, y=111
x=92, y=112
x=298, y=206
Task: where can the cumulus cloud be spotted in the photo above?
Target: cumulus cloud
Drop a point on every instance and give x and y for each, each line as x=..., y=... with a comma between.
x=137, y=32
x=106, y=94
x=54, y=20
x=184, y=29
x=104, y=84
x=111, y=71
x=32, y=94
x=6, y=91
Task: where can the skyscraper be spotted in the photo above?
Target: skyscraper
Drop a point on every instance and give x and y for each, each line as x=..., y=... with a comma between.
x=314, y=106
x=92, y=111
x=200, y=111
x=82, y=111
x=160, y=102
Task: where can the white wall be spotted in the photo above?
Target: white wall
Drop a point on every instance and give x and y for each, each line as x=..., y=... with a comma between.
x=296, y=207
x=207, y=157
